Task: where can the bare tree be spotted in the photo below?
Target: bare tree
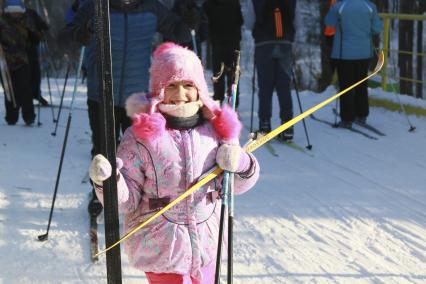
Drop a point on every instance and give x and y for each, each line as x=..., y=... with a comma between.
x=405, y=40
x=382, y=5
x=421, y=8
x=325, y=76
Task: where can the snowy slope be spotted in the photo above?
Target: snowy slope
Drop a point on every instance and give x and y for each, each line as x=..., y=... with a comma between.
x=354, y=212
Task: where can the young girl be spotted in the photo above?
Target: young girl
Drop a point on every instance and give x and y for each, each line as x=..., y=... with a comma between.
x=178, y=133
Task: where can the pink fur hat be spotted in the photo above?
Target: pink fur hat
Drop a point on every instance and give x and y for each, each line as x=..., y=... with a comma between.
x=172, y=62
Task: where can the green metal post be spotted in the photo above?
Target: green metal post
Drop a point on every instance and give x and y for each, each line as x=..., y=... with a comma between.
x=386, y=27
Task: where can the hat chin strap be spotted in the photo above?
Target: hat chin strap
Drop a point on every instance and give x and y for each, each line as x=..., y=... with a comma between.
x=183, y=110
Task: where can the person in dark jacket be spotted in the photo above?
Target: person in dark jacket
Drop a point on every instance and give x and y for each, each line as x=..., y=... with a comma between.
x=134, y=24
x=39, y=27
x=15, y=32
x=356, y=22
x=224, y=29
x=181, y=8
x=273, y=33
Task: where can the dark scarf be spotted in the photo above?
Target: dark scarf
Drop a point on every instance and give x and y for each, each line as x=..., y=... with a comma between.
x=184, y=123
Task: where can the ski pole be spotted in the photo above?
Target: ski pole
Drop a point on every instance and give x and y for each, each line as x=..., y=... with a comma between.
x=215, y=79
x=50, y=95
x=38, y=109
x=223, y=207
x=251, y=146
x=335, y=115
x=3, y=87
x=194, y=42
x=62, y=99
x=46, y=72
x=253, y=90
x=231, y=230
x=6, y=87
x=45, y=50
x=412, y=128
x=6, y=79
x=296, y=87
x=64, y=145
x=227, y=197
x=231, y=180
x=39, y=99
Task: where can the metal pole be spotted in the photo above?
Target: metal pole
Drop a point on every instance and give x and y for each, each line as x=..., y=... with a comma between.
x=112, y=232
x=64, y=145
x=296, y=87
x=194, y=42
x=228, y=198
x=231, y=180
x=50, y=95
x=62, y=100
x=253, y=90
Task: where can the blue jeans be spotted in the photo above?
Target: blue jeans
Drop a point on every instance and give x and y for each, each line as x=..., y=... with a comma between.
x=273, y=64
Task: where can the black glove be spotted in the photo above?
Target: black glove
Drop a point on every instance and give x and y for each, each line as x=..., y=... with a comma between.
x=191, y=16
x=329, y=41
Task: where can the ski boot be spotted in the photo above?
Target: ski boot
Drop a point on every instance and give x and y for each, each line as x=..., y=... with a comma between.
x=264, y=127
x=286, y=135
x=345, y=124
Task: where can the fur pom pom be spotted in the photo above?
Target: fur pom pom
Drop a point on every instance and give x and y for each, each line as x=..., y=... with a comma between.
x=148, y=126
x=226, y=123
x=137, y=103
x=164, y=47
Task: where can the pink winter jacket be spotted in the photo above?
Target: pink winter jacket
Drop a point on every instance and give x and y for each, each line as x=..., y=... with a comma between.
x=184, y=239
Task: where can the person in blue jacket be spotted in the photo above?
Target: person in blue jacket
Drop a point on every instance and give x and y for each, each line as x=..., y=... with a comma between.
x=134, y=24
x=356, y=23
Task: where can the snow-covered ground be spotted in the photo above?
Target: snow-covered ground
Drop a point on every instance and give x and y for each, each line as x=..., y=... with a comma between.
x=352, y=211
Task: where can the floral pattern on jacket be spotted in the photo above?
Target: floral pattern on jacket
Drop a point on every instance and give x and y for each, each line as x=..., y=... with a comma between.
x=184, y=239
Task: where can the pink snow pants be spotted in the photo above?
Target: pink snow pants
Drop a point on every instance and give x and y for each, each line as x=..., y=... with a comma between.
x=172, y=278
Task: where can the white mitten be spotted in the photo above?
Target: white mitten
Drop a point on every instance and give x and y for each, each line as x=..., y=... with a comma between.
x=100, y=169
x=232, y=158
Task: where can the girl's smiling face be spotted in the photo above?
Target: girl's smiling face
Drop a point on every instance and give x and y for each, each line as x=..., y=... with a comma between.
x=180, y=92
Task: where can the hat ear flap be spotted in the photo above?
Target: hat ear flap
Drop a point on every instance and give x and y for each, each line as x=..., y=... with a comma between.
x=226, y=123
x=148, y=126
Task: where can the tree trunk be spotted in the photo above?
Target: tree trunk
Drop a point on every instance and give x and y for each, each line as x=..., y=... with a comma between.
x=405, y=61
x=421, y=8
x=419, y=86
x=326, y=76
x=382, y=6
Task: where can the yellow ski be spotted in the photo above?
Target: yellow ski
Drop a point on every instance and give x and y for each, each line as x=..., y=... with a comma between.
x=251, y=146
